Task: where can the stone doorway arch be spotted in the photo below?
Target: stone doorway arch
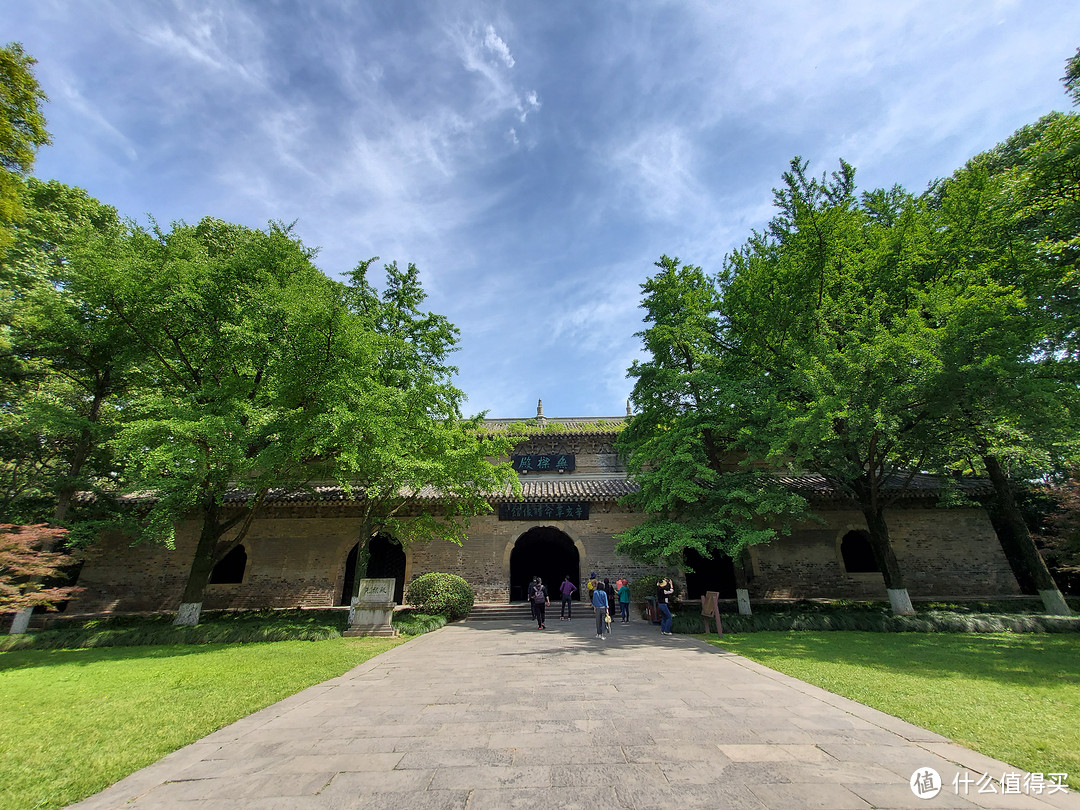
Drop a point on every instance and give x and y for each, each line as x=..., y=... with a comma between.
x=547, y=552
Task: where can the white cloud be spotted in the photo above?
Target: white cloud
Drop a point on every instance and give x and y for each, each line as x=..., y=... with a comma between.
x=494, y=44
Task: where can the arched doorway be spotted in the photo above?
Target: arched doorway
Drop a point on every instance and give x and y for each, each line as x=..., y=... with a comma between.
x=715, y=574
x=386, y=558
x=548, y=553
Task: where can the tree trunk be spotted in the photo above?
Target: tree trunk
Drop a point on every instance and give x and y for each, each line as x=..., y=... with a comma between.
x=1031, y=559
x=742, y=592
x=202, y=565
x=363, y=556
x=81, y=452
x=886, y=559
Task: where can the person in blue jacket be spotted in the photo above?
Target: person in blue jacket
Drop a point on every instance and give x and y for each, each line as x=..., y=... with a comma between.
x=600, y=608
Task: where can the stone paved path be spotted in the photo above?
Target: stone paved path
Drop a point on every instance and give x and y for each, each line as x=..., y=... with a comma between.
x=496, y=715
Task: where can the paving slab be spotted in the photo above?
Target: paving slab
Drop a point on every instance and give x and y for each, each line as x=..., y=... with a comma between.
x=501, y=715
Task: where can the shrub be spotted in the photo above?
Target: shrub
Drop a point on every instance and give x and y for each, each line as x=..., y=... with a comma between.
x=414, y=623
x=445, y=594
x=646, y=586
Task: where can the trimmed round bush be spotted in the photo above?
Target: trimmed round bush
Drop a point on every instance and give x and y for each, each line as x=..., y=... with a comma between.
x=443, y=594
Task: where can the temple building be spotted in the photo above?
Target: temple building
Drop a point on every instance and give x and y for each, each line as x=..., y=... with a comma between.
x=301, y=550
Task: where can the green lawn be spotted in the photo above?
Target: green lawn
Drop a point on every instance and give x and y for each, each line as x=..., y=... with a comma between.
x=73, y=722
x=1011, y=697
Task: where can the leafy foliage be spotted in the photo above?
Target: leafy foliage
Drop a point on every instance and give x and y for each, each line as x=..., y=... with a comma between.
x=445, y=594
x=682, y=446
x=66, y=364
x=643, y=587
x=22, y=129
x=26, y=566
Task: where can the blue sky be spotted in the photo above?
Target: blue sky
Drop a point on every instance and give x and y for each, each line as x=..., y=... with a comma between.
x=532, y=159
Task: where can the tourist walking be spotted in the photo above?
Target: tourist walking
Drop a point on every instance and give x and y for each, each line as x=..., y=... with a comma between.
x=609, y=589
x=600, y=608
x=664, y=590
x=567, y=590
x=540, y=601
x=624, y=601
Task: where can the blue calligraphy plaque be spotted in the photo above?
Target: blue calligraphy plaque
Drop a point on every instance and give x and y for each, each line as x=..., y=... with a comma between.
x=543, y=462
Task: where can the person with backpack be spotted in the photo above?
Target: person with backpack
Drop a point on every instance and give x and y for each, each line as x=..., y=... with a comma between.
x=567, y=590
x=538, y=596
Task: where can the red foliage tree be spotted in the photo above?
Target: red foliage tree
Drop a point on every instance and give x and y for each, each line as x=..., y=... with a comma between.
x=27, y=564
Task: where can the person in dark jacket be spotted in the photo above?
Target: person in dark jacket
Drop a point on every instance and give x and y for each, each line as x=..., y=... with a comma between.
x=664, y=590
x=609, y=589
x=538, y=598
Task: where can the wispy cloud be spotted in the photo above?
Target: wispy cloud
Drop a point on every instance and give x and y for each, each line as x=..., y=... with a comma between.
x=494, y=44
x=532, y=159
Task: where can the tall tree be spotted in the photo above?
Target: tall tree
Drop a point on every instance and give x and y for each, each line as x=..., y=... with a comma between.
x=62, y=364
x=421, y=467
x=242, y=340
x=826, y=307
x=1006, y=239
x=259, y=373
x=22, y=130
x=682, y=445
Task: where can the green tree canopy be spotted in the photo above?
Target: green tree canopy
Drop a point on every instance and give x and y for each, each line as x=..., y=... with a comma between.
x=682, y=446
x=255, y=372
x=22, y=129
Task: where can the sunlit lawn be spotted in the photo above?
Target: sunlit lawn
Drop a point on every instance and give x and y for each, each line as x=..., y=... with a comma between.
x=1012, y=697
x=73, y=722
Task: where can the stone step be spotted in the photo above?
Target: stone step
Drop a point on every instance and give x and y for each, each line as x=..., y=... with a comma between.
x=499, y=611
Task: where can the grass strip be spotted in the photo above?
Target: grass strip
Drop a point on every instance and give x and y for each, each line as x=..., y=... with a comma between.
x=1010, y=697
x=217, y=627
x=72, y=722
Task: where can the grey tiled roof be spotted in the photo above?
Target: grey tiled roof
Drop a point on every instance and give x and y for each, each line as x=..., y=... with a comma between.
x=546, y=490
x=920, y=485
x=595, y=490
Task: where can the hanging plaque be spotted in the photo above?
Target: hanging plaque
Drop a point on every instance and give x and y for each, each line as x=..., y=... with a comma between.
x=543, y=462
x=543, y=511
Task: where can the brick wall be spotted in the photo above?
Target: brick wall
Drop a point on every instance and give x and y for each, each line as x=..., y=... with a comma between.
x=943, y=552
x=296, y=554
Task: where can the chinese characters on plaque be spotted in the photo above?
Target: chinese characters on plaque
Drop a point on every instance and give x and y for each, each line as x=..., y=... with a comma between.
x=543, y=511
x=547, y=462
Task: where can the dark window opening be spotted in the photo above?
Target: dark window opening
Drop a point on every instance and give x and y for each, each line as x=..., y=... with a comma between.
x=857, y=554
x=230, y=569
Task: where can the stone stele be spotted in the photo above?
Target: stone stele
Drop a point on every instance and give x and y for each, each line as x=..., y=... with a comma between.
x=372, y=608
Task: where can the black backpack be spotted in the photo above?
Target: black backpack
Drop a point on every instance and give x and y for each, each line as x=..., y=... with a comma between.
x=539, y=595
